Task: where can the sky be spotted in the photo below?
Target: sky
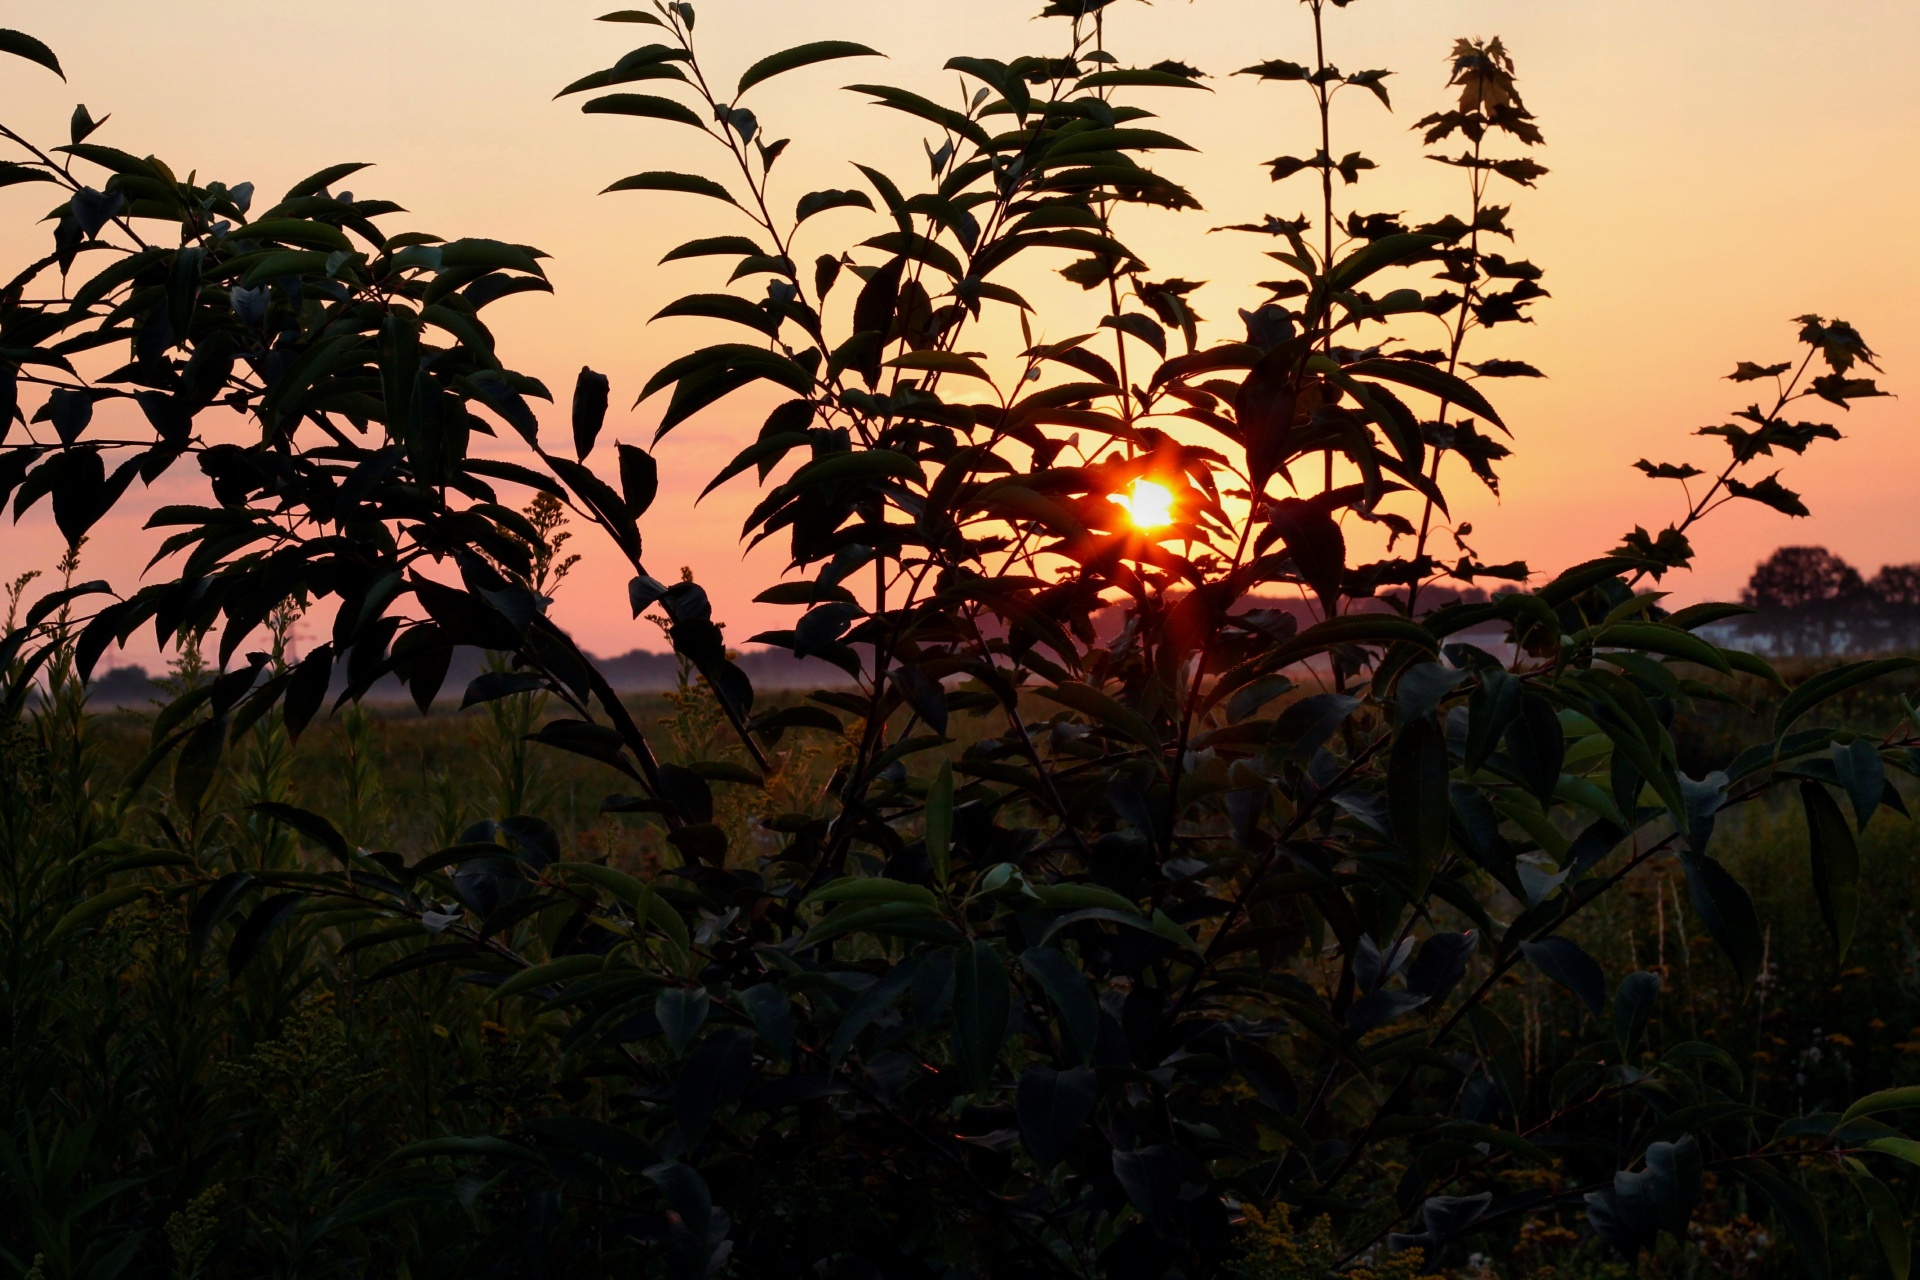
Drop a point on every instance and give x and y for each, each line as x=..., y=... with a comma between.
x=1717, y=168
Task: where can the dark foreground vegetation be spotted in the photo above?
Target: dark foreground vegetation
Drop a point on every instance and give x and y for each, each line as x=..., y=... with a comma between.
x=1393, y=932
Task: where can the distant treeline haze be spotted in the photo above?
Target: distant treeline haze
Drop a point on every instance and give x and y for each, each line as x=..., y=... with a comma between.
x=1810, y=602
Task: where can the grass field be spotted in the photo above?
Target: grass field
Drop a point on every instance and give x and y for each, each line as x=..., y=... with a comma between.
x=234, y=1116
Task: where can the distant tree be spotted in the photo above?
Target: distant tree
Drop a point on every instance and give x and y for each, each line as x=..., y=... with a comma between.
x=1803, y=595
x=1797, y=577
x=1895, y=595
x=1897, y=585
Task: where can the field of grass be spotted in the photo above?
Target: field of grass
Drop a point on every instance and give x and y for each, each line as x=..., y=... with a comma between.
x=201, y=1117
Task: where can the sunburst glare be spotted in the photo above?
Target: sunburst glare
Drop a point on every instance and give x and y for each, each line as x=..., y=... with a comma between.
x=1149, y=504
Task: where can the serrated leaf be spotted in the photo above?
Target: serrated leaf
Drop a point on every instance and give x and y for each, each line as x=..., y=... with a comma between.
x=666, y=180
x=22, y=45
x=819, y=201
x=649, y=105
x=939, y=362
x=1425, y=377
x=802, y=56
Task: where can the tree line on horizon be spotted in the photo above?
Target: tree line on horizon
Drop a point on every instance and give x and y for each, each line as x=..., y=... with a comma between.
x=1809, y=602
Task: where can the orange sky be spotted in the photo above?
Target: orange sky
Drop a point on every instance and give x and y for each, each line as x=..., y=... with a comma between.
x=1718, y=167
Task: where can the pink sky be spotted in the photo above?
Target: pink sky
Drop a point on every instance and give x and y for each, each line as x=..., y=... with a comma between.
x=1718, y=167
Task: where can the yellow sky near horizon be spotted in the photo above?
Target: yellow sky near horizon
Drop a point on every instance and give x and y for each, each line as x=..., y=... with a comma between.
x=1717, y=168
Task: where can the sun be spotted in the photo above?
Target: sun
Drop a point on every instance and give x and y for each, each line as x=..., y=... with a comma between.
x=1149, y=505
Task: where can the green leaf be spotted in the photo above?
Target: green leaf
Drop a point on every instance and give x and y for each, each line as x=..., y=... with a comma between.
x=1695, y=616
x=681, y=1011
x=258, y=927
x=12, y=174
x=939, y=821
x=1159, y=923
x=658, y=913
x=474, y=251
x=286, y=262
x=1165, y=926
x=1903, y=1148
x=1051, y=1106
x=665, y=180
x=642, y=104
x=1727, y=910
x=1425, y=377
x=639, y=479
x=590, y=392
x=919, y=248
x=565, y=969
x=300, y=231
x=111, y=158
x=1836, y=864
x=1358, y=628
x=731, y=356
x=309, y=824
x=982, y=1003
x=1884, y=1219
x=1655, y=637
x=1537, y=745
x=1812, y=692
x=870, y=1004
x=818, y=201
x=622, y=886
x=93, y=908
x=483, y=1146
x=1417, y=770
x=939, y=362
x=1902, y=1099
x=1797, y=1211
x=712, y=246
x=771, y=1010
x=1382, y=253
x=1138, y=78
x=1633, y=1004
x=802, y=56
x=868, y=464
x=1582, y=576
x=878, y=917
x=871, y=889
x=722, y=306
x=1073, y=896
x=314, y=184
x=22, y=45
x=1066, y=988
x=1096, y=705
x=1567, y=963
x=915, y=105
x=199, y=759
x=656, y=68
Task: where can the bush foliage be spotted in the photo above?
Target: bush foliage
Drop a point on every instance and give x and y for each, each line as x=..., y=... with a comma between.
x=1187, y=950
